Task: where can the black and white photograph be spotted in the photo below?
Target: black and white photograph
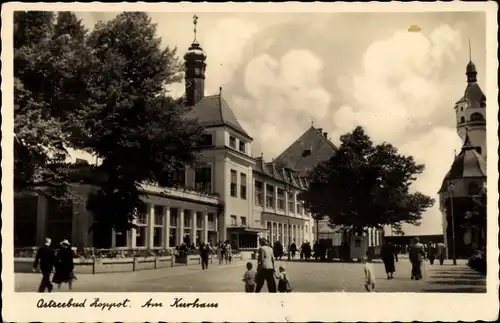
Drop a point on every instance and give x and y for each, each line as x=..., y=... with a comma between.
x=202, y=150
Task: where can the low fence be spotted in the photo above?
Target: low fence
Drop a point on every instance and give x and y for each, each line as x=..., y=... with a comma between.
x=103, y=263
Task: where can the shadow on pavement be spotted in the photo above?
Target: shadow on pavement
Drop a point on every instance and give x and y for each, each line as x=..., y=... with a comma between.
x=459, y=282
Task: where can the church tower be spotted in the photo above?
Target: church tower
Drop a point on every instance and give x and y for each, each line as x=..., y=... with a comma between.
x=470, y=111
x=194, y=63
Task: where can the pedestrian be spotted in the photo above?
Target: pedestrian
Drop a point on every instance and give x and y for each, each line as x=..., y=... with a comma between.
x=45, y=258
x=204, y=254
x=64, y=266
x=228, y=252
x=249, y=278
x=369, y=275
x=293, y=249
x=387, y=254
x=431, y=254
x=441, y=252
x=220, y=252
x=417, y=256
x=284, y=285
x=265, y=268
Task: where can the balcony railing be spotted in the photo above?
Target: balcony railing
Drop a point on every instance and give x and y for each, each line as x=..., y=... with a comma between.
x=185, y=192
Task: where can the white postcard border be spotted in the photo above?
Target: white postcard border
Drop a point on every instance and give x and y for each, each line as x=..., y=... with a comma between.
x=237, y=307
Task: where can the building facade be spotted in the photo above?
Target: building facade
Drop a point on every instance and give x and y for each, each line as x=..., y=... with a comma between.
x=228, y=195
x=467, y=175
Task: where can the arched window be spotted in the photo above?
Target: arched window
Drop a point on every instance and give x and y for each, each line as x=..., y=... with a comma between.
x=476, y=117
x=462, y=119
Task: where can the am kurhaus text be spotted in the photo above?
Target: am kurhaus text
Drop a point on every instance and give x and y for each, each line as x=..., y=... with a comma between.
x=71, y=303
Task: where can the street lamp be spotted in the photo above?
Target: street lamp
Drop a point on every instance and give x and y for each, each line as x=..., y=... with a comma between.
x=288, y=190
x=450, y=191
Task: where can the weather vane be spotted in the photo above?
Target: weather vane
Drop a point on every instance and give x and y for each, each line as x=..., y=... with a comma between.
x=195, y=22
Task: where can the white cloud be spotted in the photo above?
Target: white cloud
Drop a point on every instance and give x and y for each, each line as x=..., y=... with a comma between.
x=394, y=99
x=284, y=95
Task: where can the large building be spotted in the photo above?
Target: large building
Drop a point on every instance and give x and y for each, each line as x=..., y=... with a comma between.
x=229, y=195
x=467, y=175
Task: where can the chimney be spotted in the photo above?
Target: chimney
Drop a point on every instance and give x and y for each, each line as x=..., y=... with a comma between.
x=325, y=134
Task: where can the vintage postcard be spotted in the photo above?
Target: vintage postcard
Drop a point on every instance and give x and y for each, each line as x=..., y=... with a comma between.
x=249, y=162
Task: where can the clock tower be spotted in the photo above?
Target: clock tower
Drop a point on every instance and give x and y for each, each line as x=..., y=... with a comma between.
x=194, y=63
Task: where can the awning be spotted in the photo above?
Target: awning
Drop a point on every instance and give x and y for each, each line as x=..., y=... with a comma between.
x=247, y=229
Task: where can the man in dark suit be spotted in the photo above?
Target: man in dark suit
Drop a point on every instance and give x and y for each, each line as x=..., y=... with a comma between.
x=45, y=257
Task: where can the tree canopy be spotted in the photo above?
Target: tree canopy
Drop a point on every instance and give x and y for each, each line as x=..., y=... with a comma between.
x=366, y=185
x=102, y=92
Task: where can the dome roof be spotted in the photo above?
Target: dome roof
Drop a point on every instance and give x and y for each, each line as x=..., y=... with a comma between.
x=195, y=52
x=471, y=68
x=468, y=164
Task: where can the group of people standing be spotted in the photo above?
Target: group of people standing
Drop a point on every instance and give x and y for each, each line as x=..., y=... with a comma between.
x=266, y=272
x=62, y=261
x=224, y=252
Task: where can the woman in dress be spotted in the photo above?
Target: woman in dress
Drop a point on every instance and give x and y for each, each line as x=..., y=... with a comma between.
x=387, y=255
x=64, y=266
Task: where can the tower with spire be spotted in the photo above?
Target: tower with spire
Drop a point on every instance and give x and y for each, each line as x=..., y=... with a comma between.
x=195, y=66
x=470, y=110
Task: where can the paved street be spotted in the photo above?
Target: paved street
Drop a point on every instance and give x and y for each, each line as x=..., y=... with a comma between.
x=305, y=277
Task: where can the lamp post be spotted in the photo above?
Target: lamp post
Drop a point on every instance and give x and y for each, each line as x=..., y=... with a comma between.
x=288, y=189
x=450, y=191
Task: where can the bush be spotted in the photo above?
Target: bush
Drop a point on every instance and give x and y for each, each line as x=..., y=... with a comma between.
x=478, y=261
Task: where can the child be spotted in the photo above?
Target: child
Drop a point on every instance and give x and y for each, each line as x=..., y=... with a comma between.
x=369, y=276
x=249, y=279
x=284, y=285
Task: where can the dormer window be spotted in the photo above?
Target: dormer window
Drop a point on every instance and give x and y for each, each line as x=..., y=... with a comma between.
x=242, y=146
x=232, y=142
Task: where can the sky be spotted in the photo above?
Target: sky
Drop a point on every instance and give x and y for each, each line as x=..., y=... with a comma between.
x=281, y=71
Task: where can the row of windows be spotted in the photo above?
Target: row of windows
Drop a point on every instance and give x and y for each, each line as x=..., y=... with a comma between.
x=234, y=220
x=473, y=117
x=159, y=217
x=270, y=198
x=234, y=184
x=202, y=178
x=241, y=146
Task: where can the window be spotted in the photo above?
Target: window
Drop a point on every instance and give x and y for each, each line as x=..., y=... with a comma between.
x=173, y=217
x=269, y=196
x=203, y=179
x=244, y=221
x=187, y=220
x=234, y=220
x=234, y=183
x=268, y=232
x=205, y=141
x=243, y=186
x=258, y=193
x=291, y=203
x=462, y=119
x=158, y=226
x=141, y=223
x=476, y=117
x=242, y=146
x=300, y=208
x=232, y=142
x=199, y=220
x=179, y=177
x=281, y=199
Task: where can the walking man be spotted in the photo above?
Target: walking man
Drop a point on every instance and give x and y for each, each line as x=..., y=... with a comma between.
x=45, y=257
x=265, y=268
x=441, y=252
x=417, y=255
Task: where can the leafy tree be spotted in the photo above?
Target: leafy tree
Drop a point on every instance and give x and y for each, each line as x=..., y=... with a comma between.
x=48, y=81
x=140, y=134
x=365, y=185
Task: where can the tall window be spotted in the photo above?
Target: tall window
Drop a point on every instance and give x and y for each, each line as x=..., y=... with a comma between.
x=269, y=196
x=281, y=199
x=203, y=179
x=234, y=220
x=232, y=142
x=258, y=193
x=242, y=146
x=243, y=186
x=234, y=183
x=172, y=235
x=291, y=204
x=244, y=221
x=141, y=223
x=179, y=177
x=268, y=232
x=300, y=208
x=158, y=226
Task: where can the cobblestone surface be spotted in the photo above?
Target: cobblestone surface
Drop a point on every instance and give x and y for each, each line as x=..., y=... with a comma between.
x=305, y=277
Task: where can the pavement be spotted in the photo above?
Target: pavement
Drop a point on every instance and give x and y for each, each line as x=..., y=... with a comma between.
x=305, y=277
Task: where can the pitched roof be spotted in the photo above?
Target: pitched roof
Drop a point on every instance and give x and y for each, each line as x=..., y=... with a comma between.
x=212, y=111
x=468, y=164
x=474, y=95
x=306, y=152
